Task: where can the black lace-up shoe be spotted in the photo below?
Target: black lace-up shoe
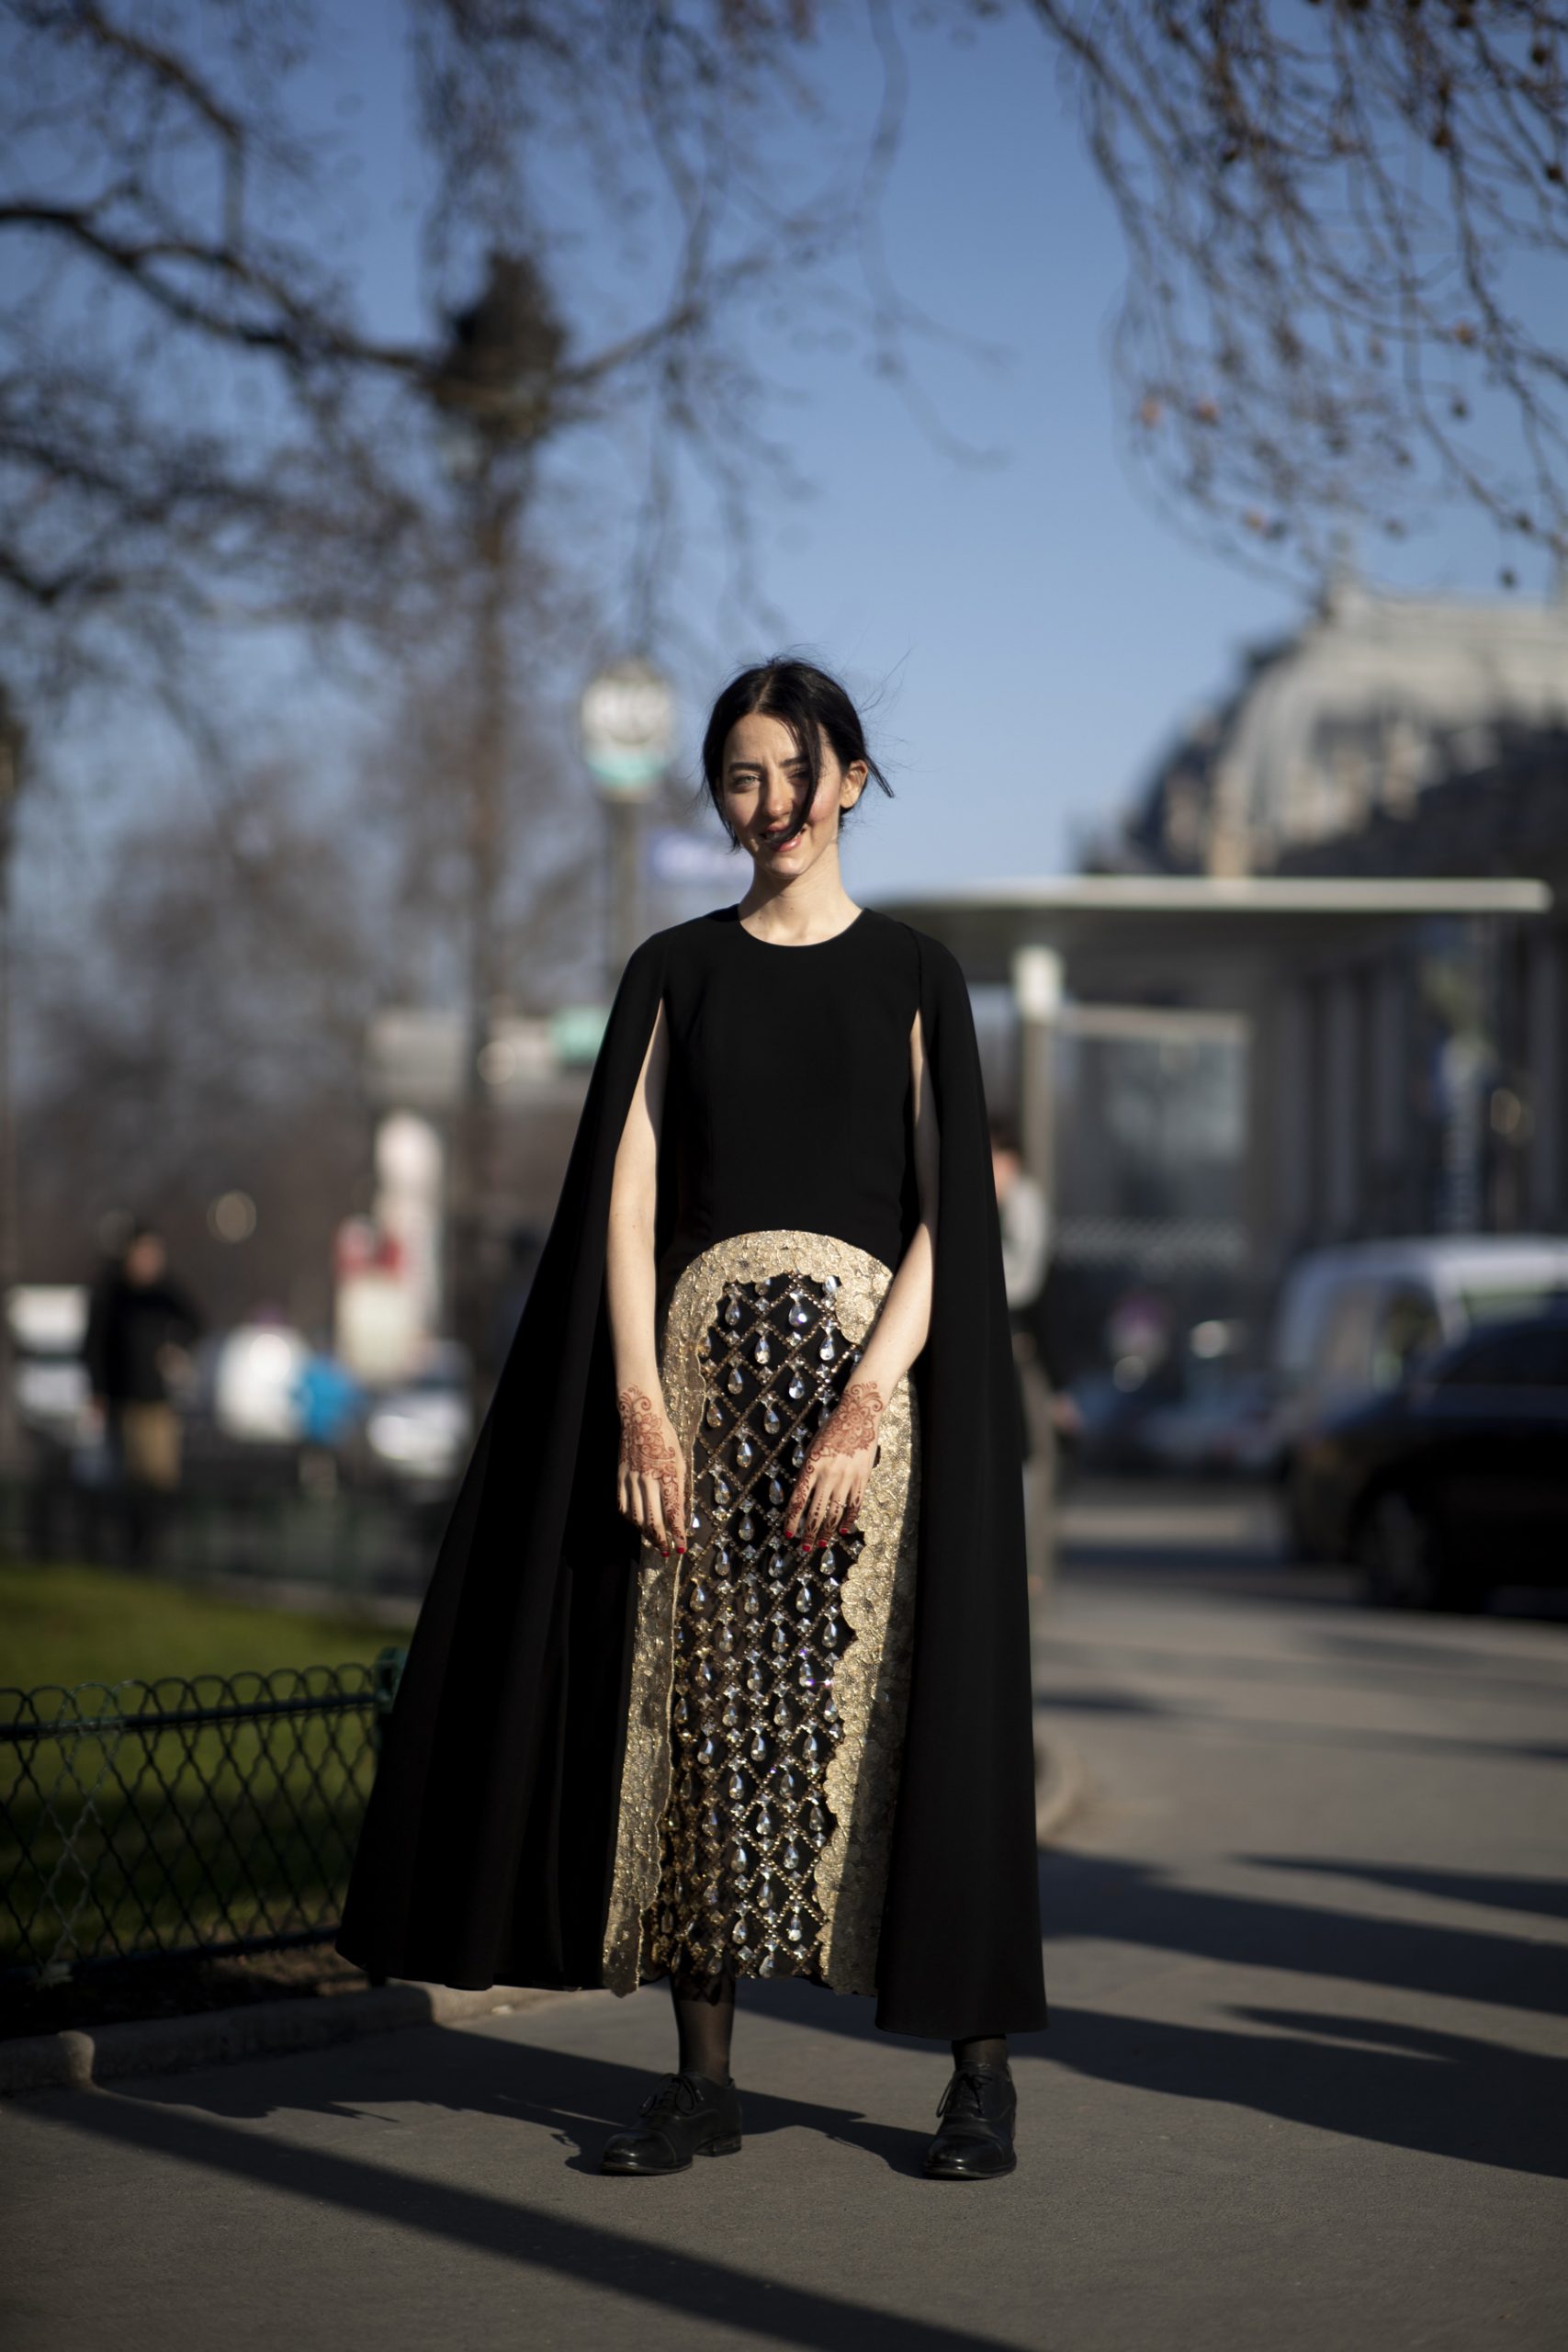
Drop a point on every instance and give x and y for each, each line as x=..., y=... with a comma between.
x=687, y=2116
x=978, y=2110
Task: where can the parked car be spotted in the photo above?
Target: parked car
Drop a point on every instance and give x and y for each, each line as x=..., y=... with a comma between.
x=418, y=1435
x=1455, y=1483
x=1351, y=1322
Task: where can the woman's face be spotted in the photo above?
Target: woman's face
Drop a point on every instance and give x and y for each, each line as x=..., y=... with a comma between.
x=766, y=785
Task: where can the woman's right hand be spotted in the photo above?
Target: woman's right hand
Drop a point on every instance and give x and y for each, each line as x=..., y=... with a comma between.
x=651, y=1483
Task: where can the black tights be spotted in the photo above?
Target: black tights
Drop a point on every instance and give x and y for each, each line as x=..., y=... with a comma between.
x=981, y=2050
x=705, y=2020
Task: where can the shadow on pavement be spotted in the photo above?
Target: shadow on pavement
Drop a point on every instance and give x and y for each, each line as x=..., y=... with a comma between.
x=1400, y=2085
x=510, y=2229
x=1093, y=1896
x=1051, y=1700
x=579, y=2101
x=1547, y=1897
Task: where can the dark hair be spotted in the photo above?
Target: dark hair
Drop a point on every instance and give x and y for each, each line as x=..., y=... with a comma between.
x=808, y=702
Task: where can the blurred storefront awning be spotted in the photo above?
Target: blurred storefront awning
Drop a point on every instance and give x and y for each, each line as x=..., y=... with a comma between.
x=1122, y=935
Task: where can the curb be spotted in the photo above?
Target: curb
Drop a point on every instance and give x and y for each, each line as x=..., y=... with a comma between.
x=79, y=2061
x=73, y=2060
x=1061, y=1784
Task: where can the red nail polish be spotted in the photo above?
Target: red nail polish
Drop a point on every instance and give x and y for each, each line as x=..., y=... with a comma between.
x=822, y=1543
x=789, y=1535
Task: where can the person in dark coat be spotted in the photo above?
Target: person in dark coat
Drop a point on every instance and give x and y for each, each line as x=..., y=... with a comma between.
x=724, y=1670
x=139, y=1323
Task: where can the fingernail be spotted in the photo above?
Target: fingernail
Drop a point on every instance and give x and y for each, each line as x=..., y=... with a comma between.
x=822, y=1543
x=680, y=1547
x=789, y=1535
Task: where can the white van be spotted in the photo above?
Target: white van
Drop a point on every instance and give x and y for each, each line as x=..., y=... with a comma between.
x=1351, y=1321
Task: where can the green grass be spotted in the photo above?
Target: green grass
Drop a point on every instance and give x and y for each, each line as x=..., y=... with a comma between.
x=72, y=1624
x=125, y=1840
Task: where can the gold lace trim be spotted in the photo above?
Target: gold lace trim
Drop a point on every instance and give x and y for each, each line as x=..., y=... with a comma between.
x=877, y=1601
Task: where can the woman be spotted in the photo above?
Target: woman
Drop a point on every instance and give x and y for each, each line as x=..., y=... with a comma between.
x=766, y=1362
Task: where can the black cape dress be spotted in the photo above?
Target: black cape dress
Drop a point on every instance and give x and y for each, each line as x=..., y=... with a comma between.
x=487, y=1852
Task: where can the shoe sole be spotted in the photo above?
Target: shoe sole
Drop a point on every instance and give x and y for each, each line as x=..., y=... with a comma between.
x=656, y=2172
x=997, y=2172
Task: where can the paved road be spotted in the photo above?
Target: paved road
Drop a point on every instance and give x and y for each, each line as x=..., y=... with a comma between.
x=1304, y=2085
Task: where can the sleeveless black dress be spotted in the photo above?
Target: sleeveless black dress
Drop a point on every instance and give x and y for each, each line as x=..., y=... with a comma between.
x=769, y=1685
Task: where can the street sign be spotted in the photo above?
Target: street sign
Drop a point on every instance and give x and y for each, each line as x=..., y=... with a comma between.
x=576, y=1029
x=627, y=723
x=676, y=855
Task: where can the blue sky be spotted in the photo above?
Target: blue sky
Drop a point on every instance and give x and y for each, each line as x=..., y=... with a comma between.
x=1028, y=633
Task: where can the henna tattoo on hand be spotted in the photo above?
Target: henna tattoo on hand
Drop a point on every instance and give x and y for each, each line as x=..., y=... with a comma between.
x=850, y=1429
x=648, y=1451
x=853, y=1426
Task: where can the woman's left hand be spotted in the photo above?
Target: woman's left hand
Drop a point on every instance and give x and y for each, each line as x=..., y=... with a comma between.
x=827, y=1493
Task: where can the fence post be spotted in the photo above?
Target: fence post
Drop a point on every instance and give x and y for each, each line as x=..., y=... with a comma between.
x=386, y=1675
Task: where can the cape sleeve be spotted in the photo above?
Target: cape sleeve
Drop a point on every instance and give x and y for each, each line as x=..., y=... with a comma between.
x=961, y=1946
x=482, y=1857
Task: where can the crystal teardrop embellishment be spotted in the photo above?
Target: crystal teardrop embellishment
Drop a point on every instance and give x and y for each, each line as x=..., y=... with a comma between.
x=828, y=1352
x=745, y=1451
x=737, y=1380
x=799, y=1312
x=796, y=1388
x=771, y=1421
x=732, y=1311
x=715, y=1417
x=762, y=1352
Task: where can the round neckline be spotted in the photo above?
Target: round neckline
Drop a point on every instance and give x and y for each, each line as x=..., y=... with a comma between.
x=799, y=946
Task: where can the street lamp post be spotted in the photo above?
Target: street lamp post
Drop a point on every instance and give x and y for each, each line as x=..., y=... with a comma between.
x=495, y=388
x=13, y=742
x=627, y=725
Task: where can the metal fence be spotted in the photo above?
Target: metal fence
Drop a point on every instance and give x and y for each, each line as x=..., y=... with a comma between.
x=182, y=1819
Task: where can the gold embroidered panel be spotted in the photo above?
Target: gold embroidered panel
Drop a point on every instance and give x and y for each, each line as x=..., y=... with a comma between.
x=779, y=1318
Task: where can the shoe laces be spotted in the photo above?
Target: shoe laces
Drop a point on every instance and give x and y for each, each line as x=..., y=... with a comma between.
x=966, y=2094
x=677, y=2094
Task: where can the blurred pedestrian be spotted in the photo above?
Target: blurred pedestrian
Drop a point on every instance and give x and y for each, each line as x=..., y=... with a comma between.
x=786, y=1729
x=329, y=1401
x=141, y=1326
